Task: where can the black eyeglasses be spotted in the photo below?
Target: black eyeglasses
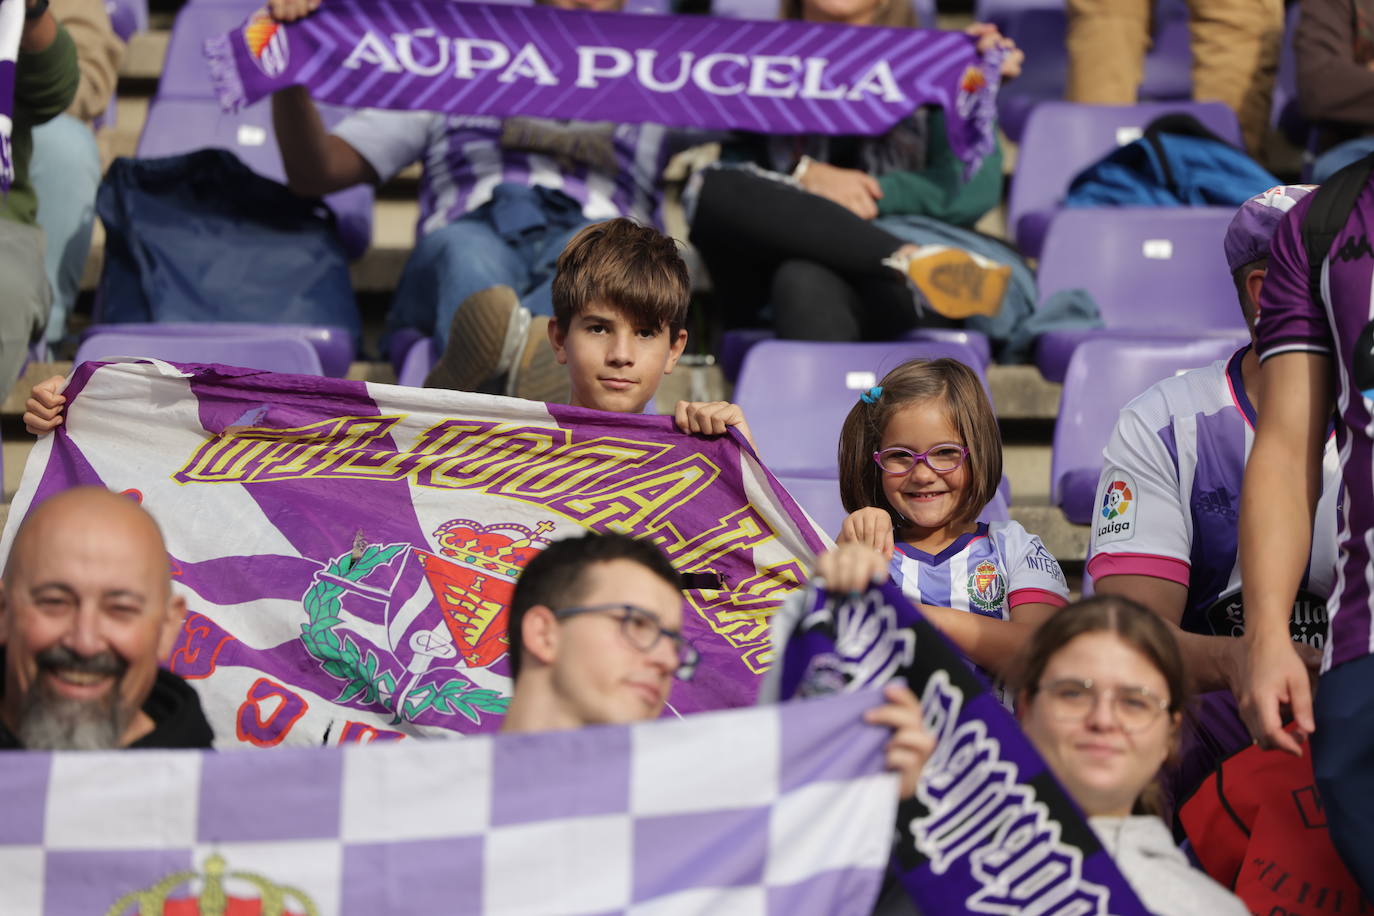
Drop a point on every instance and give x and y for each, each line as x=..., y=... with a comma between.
x=642, y=629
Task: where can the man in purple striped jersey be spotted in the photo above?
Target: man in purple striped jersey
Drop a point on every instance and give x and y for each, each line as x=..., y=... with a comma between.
x=1315, y=355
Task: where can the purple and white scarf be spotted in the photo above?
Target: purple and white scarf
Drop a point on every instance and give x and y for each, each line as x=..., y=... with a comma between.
x=11, y=28
x=679, y=71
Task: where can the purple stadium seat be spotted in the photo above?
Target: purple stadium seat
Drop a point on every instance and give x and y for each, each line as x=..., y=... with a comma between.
x=1061, y=139
x=1041, y=28
x=1284, y=114
x=1104, y=375
x=272, y=354
x=795, y=395
x=185, y=71
x=419, y=359
x=333, y=345
x=735, y=344
x=182, y=125
x=1150, y=270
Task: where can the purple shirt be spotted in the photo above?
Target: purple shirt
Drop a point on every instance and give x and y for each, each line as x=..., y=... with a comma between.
x=610, y=170
x=1291, y=322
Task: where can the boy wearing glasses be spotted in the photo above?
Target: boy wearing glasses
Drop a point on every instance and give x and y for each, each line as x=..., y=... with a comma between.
x=596, y=639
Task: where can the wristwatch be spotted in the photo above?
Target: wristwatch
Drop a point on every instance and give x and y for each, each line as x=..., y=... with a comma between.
x=38, y=9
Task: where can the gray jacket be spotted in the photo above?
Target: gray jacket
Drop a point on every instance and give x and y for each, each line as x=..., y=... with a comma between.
x=1158, y=871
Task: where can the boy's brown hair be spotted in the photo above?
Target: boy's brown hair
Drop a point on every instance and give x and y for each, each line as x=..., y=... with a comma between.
x=637, y=269
x=970, y=413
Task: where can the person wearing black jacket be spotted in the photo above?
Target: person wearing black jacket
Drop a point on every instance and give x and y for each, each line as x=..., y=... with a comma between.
x=86, y=614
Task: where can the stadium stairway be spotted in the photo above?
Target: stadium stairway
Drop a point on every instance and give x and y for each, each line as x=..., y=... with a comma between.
x=1026, y=404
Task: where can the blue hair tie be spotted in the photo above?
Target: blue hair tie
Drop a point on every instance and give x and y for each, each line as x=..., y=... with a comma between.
x=871, y=395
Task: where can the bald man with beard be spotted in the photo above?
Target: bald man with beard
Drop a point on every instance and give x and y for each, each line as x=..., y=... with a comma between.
x=86, y=614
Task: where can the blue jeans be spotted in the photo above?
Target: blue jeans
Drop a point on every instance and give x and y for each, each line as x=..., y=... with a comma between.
x=1339, y=156
x=1343, y=761
x=65, y=171
x=474, y=253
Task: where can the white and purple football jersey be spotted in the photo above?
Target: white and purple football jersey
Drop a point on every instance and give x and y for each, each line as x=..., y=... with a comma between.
x=1341, y=326
x=989, y=571
x=1169, y=501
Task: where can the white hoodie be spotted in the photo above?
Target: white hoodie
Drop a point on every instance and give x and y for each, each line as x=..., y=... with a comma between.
x=1159, y=872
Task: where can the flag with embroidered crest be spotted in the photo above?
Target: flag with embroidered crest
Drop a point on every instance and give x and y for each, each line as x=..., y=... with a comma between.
x=347, y=550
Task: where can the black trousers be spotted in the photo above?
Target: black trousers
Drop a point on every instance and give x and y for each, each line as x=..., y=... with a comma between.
x=817, y=264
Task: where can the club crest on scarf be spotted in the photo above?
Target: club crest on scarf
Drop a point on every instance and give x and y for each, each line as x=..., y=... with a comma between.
x=236, y=893
x=265, y=39
x=396, y=623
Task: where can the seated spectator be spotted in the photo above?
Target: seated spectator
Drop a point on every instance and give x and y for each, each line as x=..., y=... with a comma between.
x=45, y=81
x=1334, y=50
x=596, y=639
x=1100, y=690
x=66, y=161
x=800, y=224
x=499, y=199
x=1181, y=448
x=1235, y=55
x=920, y=457
x=87, y=614
x=620, y=299
x=1100, y=693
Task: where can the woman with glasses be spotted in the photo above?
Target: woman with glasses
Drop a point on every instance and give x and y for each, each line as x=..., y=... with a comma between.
x=1100, y=692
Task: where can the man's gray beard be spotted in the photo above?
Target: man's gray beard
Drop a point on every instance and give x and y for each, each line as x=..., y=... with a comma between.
x=54, y=723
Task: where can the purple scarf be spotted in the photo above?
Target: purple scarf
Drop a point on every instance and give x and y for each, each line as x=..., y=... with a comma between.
x=11, y=30
x=989, y=830
x=681, y=71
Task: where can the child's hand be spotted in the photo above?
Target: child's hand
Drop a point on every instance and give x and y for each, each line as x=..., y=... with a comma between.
x=851, y=567
x=911, y=744
x=291, y=10
x=711, y=418
x=869, y=525
x=43, y=409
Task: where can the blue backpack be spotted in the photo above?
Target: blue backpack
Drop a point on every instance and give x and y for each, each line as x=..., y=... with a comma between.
x=200, y=237
x=1176, y=163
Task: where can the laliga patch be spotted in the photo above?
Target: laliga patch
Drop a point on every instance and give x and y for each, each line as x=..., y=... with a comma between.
x=266, y=42
x=1115, y=520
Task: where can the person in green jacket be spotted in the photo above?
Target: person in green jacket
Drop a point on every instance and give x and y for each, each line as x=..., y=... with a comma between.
x=796, y=222
x=45, y=81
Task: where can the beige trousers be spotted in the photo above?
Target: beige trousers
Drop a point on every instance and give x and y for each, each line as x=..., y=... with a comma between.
x=1235, y=46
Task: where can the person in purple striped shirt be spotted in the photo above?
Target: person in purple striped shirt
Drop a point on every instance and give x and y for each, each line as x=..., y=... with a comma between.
x=499, y=198
x=1315, y=355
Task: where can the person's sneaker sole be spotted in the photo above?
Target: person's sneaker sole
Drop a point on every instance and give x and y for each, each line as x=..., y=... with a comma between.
x=537, y=375
x=958, y=283
x=484, y=338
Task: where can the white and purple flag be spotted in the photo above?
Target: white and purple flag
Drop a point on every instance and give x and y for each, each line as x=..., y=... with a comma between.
x=649, y=819
x=785, y=77
x=347, y=550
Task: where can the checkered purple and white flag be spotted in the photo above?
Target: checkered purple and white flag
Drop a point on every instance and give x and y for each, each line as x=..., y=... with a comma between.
x=347, y=550
x=648, y=819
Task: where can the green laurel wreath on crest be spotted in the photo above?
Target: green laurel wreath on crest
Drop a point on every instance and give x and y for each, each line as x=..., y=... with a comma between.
x=342, y=658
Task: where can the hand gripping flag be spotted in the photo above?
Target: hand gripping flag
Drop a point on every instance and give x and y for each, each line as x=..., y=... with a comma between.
x=989, y=829
x=347, y=551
